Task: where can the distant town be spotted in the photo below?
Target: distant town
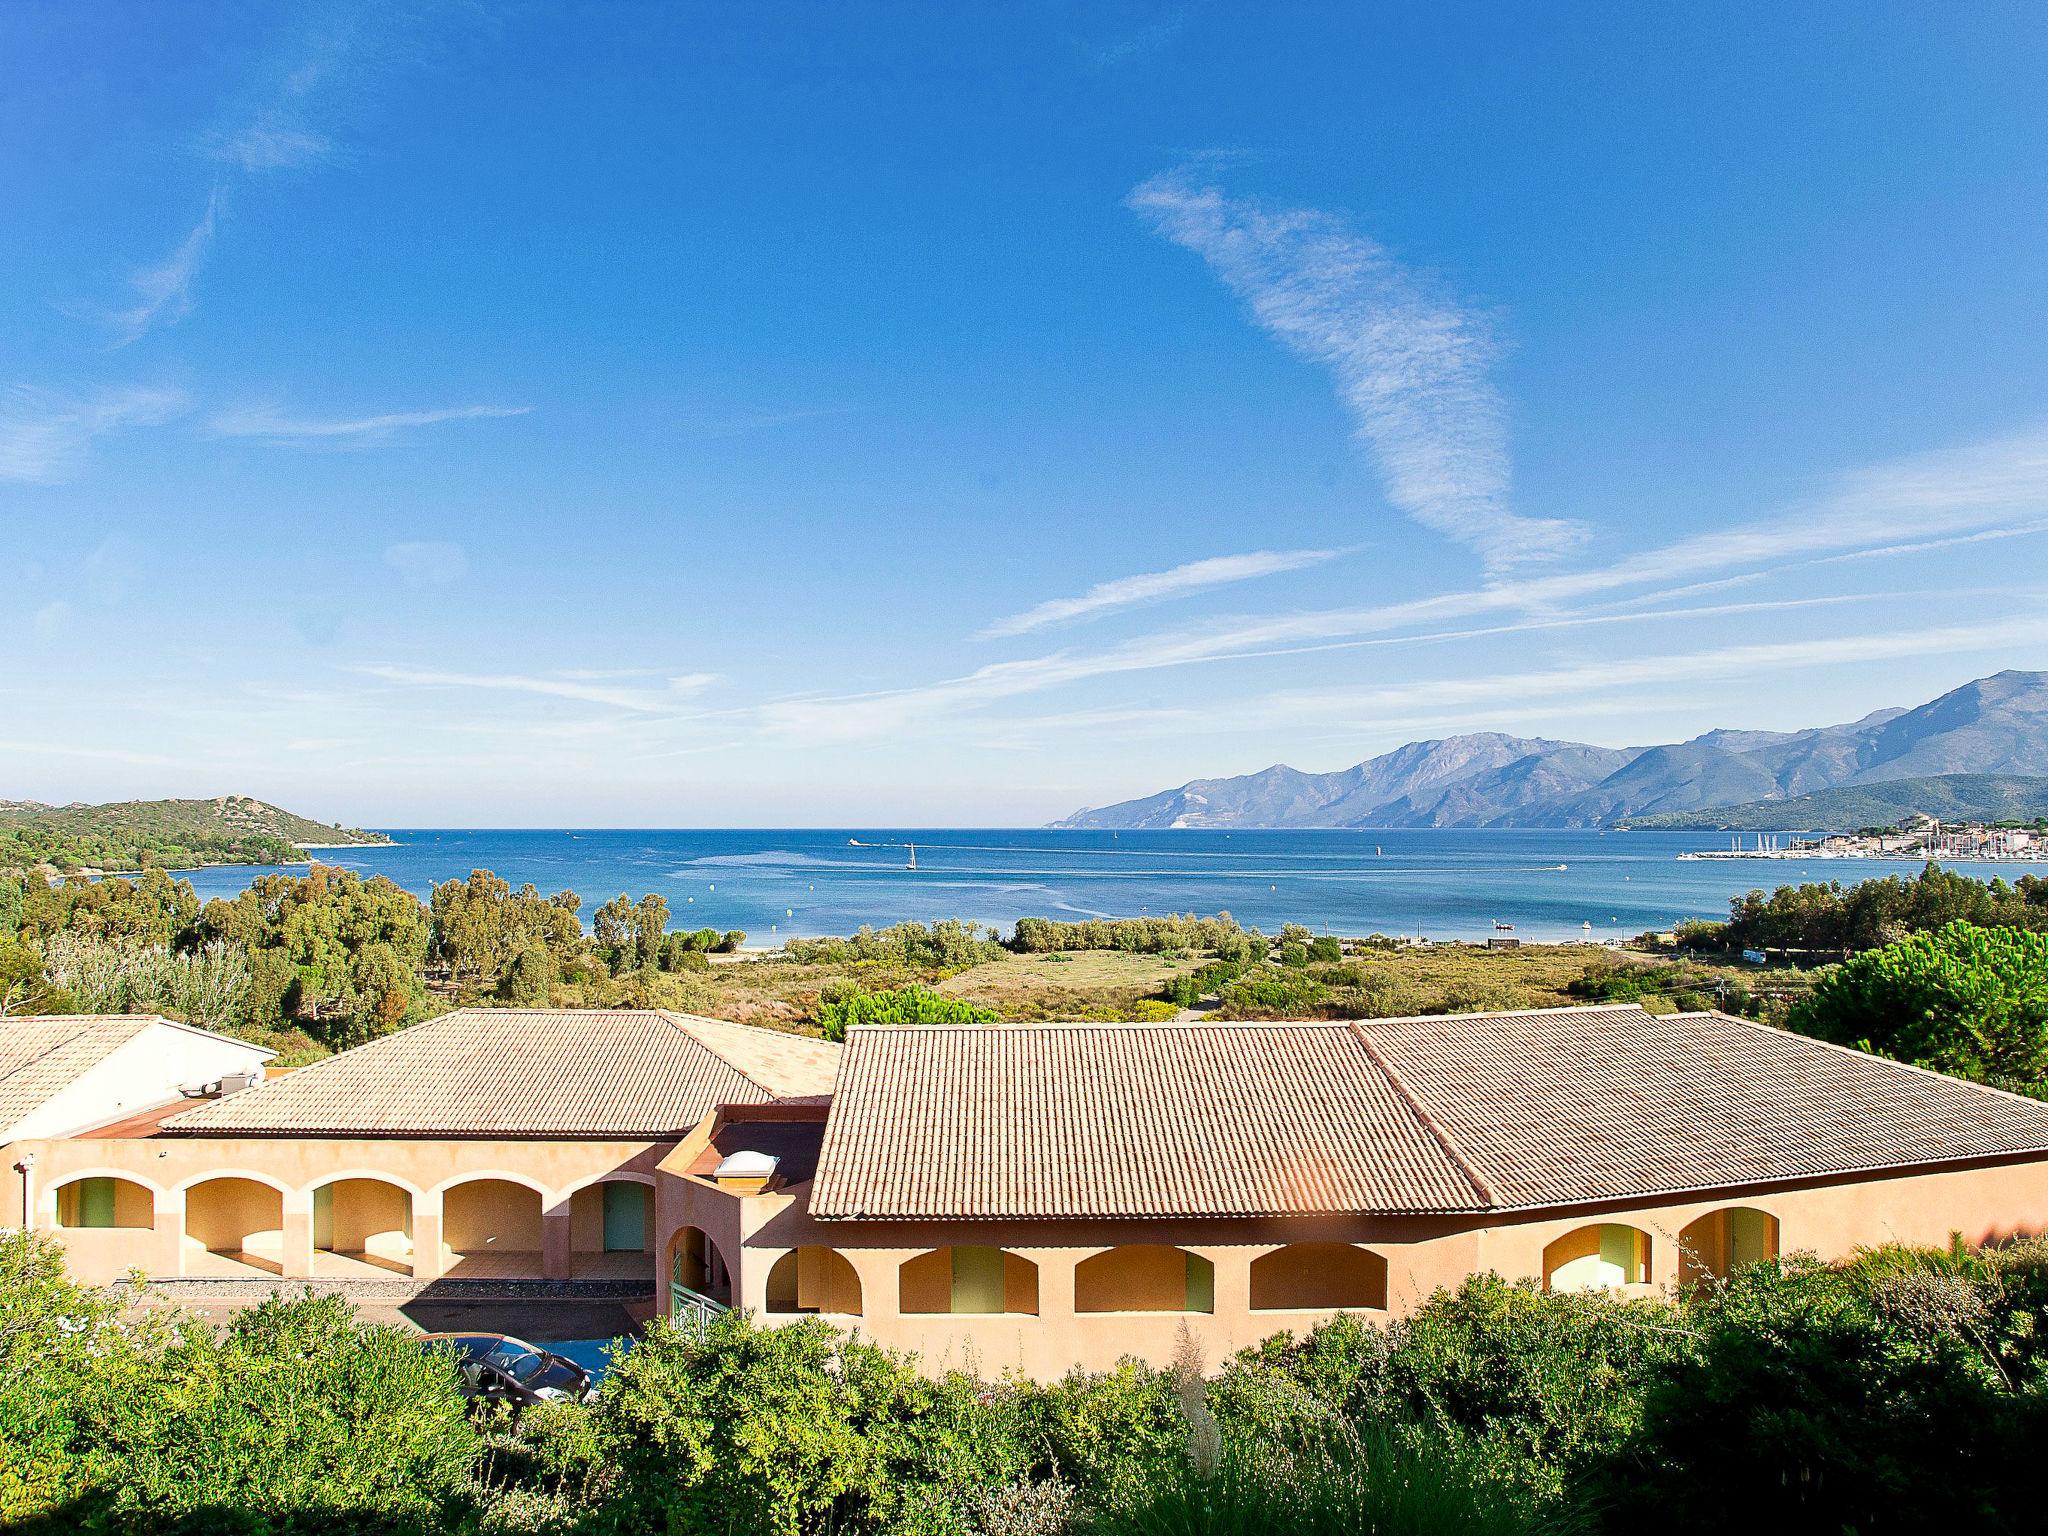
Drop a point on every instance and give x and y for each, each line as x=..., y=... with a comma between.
x=1918, y=837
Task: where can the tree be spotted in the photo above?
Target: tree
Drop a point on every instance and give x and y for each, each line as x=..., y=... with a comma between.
x=481, y=923
x=1965, y=1000
x=530, y=977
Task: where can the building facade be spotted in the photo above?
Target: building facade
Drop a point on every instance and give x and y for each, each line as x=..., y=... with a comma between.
x=1041, y=1197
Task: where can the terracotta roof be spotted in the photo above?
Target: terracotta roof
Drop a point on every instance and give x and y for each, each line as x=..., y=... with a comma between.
x=1470, y=1112
x=41, y=1056
x=1077, y=1120
x=529, y=1072
x=1585, y=1104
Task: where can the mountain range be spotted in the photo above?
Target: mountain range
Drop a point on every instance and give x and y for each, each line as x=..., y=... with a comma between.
x=1994, y=726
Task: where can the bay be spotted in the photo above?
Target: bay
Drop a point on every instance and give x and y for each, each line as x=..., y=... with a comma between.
x=1446, y=884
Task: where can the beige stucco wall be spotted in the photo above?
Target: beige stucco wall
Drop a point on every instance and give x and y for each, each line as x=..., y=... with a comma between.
x=1420, y=1254
x=750, y=1233
x=291, y=1168
x=368, y=1216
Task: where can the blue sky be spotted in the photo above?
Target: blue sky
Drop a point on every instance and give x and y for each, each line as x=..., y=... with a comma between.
x=763, y=414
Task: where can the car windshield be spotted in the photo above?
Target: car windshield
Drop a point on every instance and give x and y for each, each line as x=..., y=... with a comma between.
x=519, y=1361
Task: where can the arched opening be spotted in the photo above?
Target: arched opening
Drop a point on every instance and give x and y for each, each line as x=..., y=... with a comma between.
x=968, y=1280
x=809, y=1280
x=611, y=1231
x=1597, y=1258
x=105, y=1200
x=360, y=1226
x=233, y=1226
x=699, y=1283
x=1319, y=1277
x=1723, y=1241
x=1145, y=1277
x=491, y=1230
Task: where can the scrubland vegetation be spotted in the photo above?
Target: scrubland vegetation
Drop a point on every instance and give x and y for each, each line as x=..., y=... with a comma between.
x=1939, y=970
x=1903, y=1391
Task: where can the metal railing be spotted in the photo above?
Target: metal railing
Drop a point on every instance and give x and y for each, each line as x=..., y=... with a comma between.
x=693, y=1309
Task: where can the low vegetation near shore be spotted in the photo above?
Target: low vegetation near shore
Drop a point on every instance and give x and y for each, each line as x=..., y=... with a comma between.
x=1903, y=1391
x=1940, y=970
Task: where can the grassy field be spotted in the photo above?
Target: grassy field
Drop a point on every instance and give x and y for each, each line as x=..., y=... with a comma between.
x=1106, y=984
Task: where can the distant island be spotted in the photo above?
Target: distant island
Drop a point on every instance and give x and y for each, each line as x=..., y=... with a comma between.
x=163, y=834
x=1979, y=752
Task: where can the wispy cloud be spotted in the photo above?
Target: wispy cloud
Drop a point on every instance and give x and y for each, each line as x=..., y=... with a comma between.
x=1942, y=494
x=45, y=437
x=666, y=696
x=161, y=294
x=269, y=423
x=1149, y=39
x=1127, y=591
x=427, y=563
x=273, y=142
x=746, y=423
x=1363, y=706
x=1412, y=366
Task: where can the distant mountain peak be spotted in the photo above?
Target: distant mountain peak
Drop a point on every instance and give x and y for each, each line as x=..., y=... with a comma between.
x=1996, y=725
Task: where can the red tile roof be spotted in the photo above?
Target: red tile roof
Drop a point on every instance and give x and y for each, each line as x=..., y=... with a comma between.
x=529, y=1072
x=1461, y=1113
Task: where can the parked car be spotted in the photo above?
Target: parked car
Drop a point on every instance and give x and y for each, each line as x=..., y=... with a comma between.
x=499, y=1368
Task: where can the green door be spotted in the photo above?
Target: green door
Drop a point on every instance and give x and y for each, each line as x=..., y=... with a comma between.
x=96, y=1203
x=625, y=1218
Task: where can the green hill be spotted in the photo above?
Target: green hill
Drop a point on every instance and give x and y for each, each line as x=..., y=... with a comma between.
x=170, y=834
x=1946, y=797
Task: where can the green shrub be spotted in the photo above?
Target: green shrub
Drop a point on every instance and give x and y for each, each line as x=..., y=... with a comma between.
x=1273, y=994
x=1841, y=1402
x=1338, y=1480
x=905, y=1005
x=1133, y=935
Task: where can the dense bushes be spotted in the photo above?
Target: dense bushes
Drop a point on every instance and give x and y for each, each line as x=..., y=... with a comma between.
x=1902, y=1392
x=950, y=945
x=1833, y=919
x=904, y=1005
x=1965, y=1000
x=1140, y=936
x=295, y=1418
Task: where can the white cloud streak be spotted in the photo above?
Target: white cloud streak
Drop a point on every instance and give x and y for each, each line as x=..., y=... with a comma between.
x=1412, y=366
x=1128, y=591
x=269, y=424
x=163, y=293
x=1939, y=494
x=44, y=438
x=1361, y=706
x=671, y=695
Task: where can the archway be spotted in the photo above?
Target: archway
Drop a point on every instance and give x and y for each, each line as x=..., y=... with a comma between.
x=811, y=1280
x=1319, y=1277
x=611, y=1231
x=362, y=1225
x=491, y=1230
x=233, y=1225
x=1723, y=1241
x=105, y=1200
x=1597, y=1258
x=968, y=1280
x=699, y=1282
x=1145, y=1277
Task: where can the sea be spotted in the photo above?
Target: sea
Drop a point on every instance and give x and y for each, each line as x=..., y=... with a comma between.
x=1538, y=885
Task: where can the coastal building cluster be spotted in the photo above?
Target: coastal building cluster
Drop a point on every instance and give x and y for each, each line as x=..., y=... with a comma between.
x=1031, y=1197
x=1921, y=837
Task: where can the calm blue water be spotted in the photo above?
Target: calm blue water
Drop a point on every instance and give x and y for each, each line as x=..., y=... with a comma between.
x=1444, y=884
